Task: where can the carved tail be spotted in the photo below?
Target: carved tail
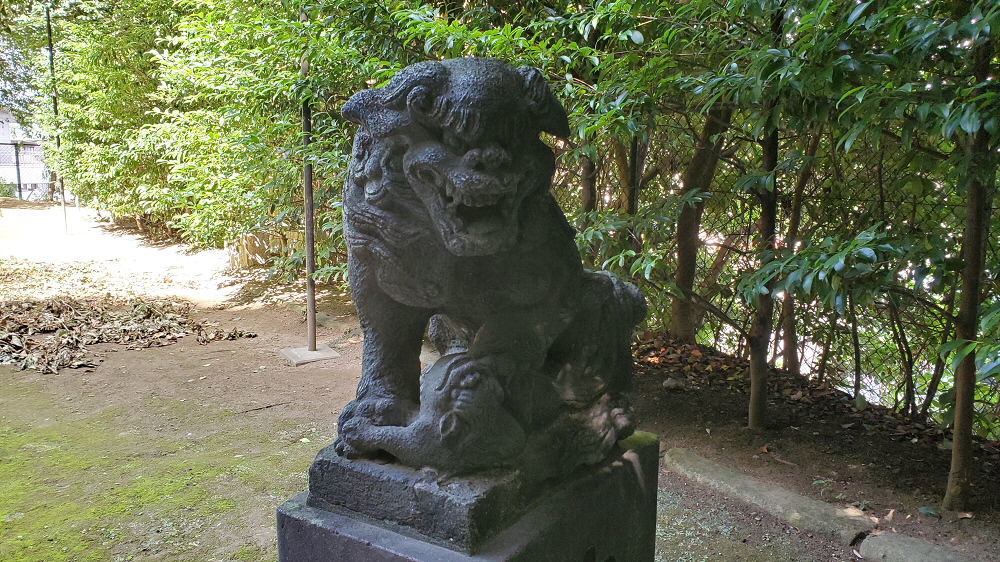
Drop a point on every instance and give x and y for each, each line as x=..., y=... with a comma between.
x=621, y=312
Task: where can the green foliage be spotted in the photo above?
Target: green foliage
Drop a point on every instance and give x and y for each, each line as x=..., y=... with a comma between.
x=16, y=81
x=830, y=270
x=186, y=114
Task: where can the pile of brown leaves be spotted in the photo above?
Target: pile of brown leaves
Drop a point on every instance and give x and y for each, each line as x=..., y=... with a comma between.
x=54, y=334
x=692, y=367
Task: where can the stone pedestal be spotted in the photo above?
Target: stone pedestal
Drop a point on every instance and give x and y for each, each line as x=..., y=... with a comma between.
x=362, y=510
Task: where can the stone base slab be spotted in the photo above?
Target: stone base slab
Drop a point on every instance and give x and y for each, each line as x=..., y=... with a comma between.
x=301, y=355
x=848, y=524
x=601, y=513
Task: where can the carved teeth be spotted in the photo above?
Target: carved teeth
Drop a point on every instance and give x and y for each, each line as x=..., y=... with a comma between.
x=480, y=199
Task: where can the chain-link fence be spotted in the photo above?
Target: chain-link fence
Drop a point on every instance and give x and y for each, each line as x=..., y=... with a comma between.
x=895, y=336
x=23, y=172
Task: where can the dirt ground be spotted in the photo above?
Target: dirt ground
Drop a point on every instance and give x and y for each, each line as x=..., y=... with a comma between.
x=183, y=452
x=897, y=483
x=44, y=256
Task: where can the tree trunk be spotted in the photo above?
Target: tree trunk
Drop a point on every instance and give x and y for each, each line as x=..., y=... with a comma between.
x=855, y=346
x=684, y=314
x=631, y=162
x=588, y=184
x=790, y=349
x=981, y=169
x=775, y=349
x=623, y=167
x=636, y=160
x=760, y=329
x=789, y=335
x=939, y=362
x=825, y=355
x=906, y=355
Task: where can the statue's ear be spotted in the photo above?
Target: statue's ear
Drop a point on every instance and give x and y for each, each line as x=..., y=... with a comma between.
x=550, y=115
x=451, y=427
x=359, y=108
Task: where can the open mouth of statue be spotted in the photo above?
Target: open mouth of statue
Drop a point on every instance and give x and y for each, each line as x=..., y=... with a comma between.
x=479, y=214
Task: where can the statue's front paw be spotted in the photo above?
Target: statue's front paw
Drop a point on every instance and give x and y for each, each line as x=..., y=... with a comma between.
x=379, y=411
x=354, y=439
x=345, y=450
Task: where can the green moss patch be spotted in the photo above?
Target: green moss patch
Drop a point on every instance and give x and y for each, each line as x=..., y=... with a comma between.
x=95, y=487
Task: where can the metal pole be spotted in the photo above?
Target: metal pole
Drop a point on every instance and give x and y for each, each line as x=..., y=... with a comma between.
x=55, y=111
x=17, y=167
x=307, y=191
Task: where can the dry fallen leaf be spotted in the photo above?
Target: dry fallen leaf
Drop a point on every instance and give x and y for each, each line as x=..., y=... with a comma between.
x=53, y=334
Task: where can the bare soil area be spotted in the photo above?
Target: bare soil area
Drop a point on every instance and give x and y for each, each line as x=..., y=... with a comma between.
x=898, y=480
x=42, y=256
x=179, y=452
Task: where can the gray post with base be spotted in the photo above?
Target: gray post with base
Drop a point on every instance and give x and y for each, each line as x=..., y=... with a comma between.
x=519, y=442
x=311, y=352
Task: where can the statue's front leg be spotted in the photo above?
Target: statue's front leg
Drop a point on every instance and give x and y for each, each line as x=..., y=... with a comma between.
x=388, y=393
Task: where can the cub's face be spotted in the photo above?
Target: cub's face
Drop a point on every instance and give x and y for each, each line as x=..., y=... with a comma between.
x=474, y=190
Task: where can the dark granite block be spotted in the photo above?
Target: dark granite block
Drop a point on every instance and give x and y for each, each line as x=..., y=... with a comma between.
x=459, y=513
x=310, y=534
x=607, y=512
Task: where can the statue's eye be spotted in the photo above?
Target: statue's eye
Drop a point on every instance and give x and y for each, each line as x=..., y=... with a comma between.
x=393, y=161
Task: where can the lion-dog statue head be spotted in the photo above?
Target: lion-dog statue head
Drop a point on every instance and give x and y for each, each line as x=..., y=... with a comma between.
x=468, y=147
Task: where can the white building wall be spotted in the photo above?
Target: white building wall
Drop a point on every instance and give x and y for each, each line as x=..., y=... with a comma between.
x=5, y=120
x=34, y=174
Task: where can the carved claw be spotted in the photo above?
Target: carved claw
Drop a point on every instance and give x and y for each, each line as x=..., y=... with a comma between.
x=354, y=439
x=469, y=373
x=345, y=450
x=622, y=420
x=378, y=411
x=360, y=417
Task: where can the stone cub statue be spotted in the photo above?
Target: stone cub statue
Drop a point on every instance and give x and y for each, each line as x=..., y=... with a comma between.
x=450, y=223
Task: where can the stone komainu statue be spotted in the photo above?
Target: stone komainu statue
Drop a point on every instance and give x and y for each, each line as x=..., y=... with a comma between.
x=450, y=224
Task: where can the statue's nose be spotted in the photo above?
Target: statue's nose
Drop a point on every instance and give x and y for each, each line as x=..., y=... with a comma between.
x=487, y=159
